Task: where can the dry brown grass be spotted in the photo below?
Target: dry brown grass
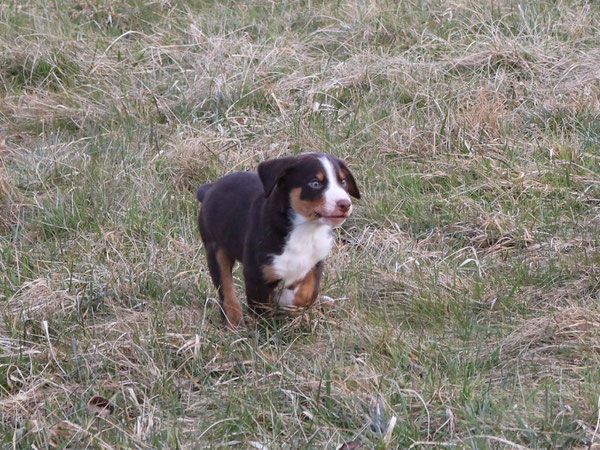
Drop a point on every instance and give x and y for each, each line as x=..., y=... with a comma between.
x=35, y=301
x=562, y=340
x=10, y=198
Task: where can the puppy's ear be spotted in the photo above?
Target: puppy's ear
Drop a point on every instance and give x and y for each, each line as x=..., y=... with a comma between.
x=272, y=171
x=352, y=188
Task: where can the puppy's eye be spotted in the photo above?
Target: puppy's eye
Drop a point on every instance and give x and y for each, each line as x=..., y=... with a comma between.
x=344, y=182
x=315, y=184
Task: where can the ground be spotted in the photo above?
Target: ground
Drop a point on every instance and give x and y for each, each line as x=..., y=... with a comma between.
x=466, y=287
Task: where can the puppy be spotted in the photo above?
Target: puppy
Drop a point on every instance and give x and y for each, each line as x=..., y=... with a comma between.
x=277, y=223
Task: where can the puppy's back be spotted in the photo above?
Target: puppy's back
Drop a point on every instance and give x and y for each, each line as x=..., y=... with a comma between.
x=226, y=207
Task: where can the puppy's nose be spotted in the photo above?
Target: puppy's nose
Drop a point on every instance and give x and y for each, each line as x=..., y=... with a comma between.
x=343, y=205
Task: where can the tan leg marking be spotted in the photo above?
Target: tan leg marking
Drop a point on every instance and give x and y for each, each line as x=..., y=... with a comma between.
x=231, y=304
x=306, y=294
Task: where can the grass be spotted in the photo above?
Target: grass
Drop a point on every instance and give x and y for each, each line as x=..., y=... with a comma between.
x=467, y=278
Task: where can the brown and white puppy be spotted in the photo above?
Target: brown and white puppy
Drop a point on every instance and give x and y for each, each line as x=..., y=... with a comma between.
x=278, y=225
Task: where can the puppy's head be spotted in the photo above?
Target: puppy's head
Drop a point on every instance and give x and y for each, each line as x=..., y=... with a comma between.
x=318, y=186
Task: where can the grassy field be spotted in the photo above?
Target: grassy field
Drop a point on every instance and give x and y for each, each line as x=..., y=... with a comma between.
x=467, y=280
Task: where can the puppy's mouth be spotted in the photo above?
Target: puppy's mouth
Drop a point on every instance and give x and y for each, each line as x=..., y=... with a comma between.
x=332, y=220
x=339, y=216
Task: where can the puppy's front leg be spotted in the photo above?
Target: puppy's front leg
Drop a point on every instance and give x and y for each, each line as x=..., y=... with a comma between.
x=305, y=292
x=258, y=293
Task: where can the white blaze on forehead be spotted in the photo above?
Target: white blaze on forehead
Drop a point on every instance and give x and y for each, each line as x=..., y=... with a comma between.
x=334, y=190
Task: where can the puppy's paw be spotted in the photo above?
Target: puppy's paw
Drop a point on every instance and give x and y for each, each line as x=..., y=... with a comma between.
x=285, y=299
x=234, y=317
x=326, y=300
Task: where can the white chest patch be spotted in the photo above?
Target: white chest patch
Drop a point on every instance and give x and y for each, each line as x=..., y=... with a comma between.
x=307, y=244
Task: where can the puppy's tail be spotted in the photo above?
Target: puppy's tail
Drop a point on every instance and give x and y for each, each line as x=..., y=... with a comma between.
x=202, y=190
